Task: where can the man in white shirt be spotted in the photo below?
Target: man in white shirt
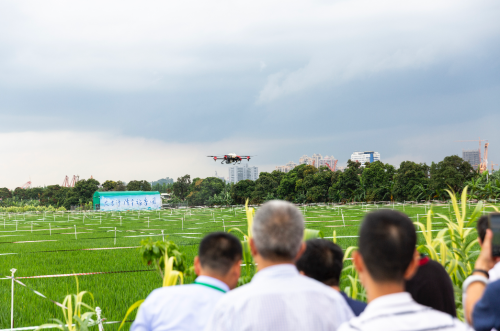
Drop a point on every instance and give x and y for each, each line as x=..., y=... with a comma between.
x=278, y=298
x=188, y=307
x=386, y=257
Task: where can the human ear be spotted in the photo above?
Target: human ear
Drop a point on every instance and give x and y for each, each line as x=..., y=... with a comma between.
x=253, y=249
x=413, y=267
x=301, y=251
x=197, y=265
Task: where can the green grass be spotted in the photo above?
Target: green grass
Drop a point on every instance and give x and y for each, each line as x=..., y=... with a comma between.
x=114, y=293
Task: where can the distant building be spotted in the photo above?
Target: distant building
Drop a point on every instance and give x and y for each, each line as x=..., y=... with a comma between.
x=221, y=178
x=242, y=172
x=471, y=156
x=167, y=180
x=287, y=167
x=363, y=157
x=316, y=160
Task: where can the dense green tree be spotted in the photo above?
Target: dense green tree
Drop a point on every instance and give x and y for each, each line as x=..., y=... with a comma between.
x=5, y=193
x=139, y=185
x=375, y=181
x=85, y=189
x=346, y=186
x=54, y=195
x=181, y=186
x=204, y=189
x=408, y=176
x=72, y=199
x=316, y=184
x=120, y=186
x=109, y=185
x=242, y=190
x=34, y=193
x=20, y=193
x=265, y=186
x=453, y=172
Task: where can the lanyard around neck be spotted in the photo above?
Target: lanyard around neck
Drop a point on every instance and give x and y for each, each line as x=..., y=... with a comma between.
x=211, y=286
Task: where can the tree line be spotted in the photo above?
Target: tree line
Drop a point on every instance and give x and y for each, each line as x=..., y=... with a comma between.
x=375, y=181
x=60, y=196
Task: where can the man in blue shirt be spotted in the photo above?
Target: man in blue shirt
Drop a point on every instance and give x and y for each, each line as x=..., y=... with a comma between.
x=188, y=307
x=482, y=298
x=323, y=261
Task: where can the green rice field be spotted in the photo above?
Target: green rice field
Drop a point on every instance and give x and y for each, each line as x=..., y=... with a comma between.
x=60, y=243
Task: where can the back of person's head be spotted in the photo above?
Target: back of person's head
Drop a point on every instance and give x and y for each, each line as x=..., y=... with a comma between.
x=431, y=286
x=322, y=261
x=481, y=226
x=387, y=242
x=219, y=251
x=278, y=229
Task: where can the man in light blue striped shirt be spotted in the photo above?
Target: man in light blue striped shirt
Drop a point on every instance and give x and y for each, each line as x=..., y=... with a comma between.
x=385, y=258
x=188, y=307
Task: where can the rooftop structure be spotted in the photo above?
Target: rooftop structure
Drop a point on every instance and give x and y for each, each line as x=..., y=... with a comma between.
x=242, y=172
x=363, y=157
x=472, y=156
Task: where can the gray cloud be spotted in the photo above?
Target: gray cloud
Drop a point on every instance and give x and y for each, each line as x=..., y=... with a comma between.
x=279, y=79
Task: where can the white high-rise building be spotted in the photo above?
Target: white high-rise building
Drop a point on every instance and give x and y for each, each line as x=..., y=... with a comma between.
x=287, y=167
x=363, y=157
x=242, y=172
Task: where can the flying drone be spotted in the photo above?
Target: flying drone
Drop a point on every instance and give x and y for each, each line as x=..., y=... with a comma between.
x=231, y=158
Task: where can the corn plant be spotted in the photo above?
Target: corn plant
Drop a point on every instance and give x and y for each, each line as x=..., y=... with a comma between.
x=154, y=253
x=354, y=289
x=74, y=319
x=452, y=246
x=250, y=268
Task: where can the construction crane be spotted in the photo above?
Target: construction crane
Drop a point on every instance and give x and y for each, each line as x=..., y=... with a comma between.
x=334, y=166
x=493, y=164
x=26, y=185
x=484, y=164
x=66, y=182
x=74, y=181
x=479, y=149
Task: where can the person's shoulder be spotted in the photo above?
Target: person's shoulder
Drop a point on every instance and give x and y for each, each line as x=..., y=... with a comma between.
x=356, y=306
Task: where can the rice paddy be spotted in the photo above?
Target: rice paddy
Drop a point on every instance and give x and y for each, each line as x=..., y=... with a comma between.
x=56, y=243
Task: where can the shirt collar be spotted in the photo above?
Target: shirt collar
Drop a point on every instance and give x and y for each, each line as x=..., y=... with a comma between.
x=212, y=281
x=276, y=271
x=389, y=300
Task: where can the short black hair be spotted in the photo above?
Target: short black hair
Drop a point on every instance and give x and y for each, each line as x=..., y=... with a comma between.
x=219, y=251
x=387, y=240
x=481, y=226
x=322, y=261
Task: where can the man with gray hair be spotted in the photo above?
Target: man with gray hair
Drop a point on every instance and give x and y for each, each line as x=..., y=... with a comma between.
x=278, y=298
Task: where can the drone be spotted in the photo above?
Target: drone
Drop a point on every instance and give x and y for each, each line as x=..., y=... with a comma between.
x=230, y=158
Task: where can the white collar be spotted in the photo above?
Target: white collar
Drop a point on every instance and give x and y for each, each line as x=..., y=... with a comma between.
x=389, y=301
x=276, y=271
x=212, y=281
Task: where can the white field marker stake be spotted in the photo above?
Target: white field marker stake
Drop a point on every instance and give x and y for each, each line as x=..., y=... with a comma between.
x=148, y=222
x=343, y=219
x=12, y=300
x=75, y=232
x=162, y=236
x=115, y=235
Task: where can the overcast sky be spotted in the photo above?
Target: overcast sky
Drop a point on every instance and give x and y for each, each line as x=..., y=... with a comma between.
x=127, y=90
